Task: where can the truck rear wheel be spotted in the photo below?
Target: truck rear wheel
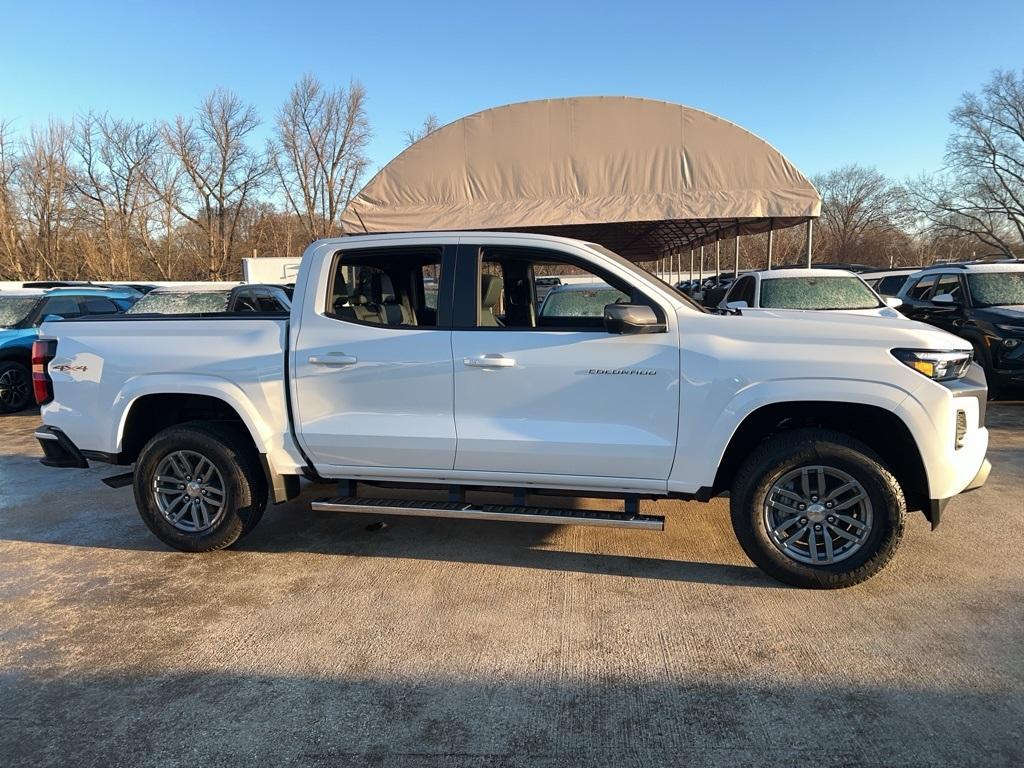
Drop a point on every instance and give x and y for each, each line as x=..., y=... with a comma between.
x=199, y=487
x=816, y=508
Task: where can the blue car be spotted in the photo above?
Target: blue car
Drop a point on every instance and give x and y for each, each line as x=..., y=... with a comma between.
x=21, y=311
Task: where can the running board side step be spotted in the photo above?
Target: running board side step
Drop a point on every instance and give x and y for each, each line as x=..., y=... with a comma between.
x=507, y=513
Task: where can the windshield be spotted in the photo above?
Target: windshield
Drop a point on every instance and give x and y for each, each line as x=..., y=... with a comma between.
x=181, y=303
x=580, y=302
x=14, y=309
x=840, y=292
x=996, y=289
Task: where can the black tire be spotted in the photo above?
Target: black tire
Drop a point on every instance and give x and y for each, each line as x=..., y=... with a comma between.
x=230, y=449
x=788, y=451
x=15, y=387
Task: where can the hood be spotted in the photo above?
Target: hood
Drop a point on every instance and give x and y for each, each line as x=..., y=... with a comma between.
x=17, y=337
x=834, y=328
x=1013, y=315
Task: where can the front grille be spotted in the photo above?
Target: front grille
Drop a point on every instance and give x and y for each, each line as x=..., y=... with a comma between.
x=961, y=429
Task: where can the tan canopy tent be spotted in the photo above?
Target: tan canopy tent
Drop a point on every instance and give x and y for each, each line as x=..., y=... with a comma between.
x=644, y=178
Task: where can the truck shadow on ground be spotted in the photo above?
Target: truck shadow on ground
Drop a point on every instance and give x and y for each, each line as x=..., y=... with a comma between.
x=517, y=545
x=61, y=514
x=226, y=719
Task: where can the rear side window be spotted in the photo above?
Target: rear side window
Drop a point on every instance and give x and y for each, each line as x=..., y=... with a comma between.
x=392, y=287
x=97, y=305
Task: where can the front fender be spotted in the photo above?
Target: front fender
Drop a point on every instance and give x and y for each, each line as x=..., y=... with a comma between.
x=708, y=424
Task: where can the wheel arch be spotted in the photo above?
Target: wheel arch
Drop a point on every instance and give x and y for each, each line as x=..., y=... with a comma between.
x=879, y=428
x=151, y=408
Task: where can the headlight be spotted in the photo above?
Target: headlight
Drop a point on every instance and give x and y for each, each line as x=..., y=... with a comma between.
x=938, y=366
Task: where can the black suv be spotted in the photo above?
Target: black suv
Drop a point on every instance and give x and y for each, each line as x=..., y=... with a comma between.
x=982, y=303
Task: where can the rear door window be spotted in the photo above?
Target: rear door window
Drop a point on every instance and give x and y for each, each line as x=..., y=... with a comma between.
x=98, y=305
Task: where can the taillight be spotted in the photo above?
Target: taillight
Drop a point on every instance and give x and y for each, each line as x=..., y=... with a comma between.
x=43, y=351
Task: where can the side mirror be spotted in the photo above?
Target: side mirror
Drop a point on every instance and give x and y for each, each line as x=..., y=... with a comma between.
x=945, y=299
x=893, y=302
x=631, y=318
x=736, y=305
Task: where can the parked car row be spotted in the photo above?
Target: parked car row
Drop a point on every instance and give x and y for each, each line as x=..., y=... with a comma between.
x=980, y=301
x=23, y=310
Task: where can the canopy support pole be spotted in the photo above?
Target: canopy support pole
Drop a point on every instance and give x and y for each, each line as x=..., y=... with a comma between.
x=810, y=240
x=736, y=256
x=771, y=238
x=691, y=265
x=718, y=259
x=701, y=277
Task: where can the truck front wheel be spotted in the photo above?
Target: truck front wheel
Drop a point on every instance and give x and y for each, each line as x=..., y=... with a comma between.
x=198, y=486
x=816, y=508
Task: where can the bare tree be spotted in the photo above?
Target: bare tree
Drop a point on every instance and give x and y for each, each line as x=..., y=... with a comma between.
x=221, y=173
x=429, y=125
x=319, y=155
x=12, y=245
x=46, y=193
x=980, y=192
x=858, y=204
x=114, y=158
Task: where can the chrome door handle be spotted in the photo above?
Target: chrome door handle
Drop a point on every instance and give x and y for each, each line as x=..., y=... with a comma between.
x=489, y=361
x=333, y=360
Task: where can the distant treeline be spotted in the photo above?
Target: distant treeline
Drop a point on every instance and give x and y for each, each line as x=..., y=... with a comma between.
x=100, y=197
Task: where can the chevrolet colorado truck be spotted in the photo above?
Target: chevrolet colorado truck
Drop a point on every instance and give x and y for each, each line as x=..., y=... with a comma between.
x=422, y=361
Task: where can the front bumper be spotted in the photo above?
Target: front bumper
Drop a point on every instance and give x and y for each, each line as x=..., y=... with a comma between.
x=936, y=506
x=58, y=450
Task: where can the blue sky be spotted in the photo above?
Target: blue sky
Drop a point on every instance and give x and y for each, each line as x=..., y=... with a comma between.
x=827, y=83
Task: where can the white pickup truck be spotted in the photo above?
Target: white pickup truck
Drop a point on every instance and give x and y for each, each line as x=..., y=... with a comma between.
x=421, y=360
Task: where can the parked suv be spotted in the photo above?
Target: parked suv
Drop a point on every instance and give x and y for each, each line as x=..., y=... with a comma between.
x=806, y=289
x=205, y=299
x=21, y=312
x=982, y=303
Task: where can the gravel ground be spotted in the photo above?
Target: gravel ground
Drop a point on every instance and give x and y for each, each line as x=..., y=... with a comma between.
x=455, y=643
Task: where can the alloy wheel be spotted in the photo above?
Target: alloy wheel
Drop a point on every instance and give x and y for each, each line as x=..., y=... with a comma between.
x=189, y=491
x=818, y=515
x=14, y=389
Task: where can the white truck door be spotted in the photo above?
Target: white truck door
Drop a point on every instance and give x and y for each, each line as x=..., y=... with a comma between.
x=545, y=388
x=373, y=364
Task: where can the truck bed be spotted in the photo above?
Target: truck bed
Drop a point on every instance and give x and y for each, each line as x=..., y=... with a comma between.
x=105, y=365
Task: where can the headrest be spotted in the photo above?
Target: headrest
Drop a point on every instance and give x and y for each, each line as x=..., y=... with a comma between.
x=340, y=289
x=384, y=289
x=490, y=290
